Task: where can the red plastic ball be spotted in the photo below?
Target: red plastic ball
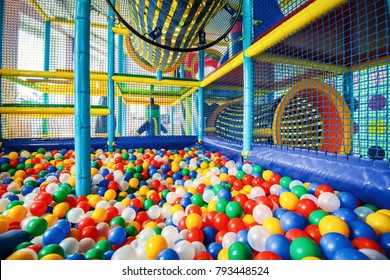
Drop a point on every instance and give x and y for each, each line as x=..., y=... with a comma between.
x=38, y=208
x=257, y=181
x=113, y=185
x=89, y=231
x=321, y=189
x=249, y=205
x=141, y=217
x=241, y=198
x=275, y=179
x=182, y=223
x=294, y=233
x=83, y=205
x=203, y=256
x=195, y=234
x=112, y=212
x=85, y=222
x=314, y=233
x=305, y=206
x=266, y=201
x=194, y=209
x=219, y=236
x=45, y=197
x=366, y=243
x=235, y=225
x=267, y=255
x=247, y=179
x=221, y=221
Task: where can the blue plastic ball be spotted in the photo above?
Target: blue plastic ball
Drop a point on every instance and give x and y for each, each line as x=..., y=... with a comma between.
x=64, y=225
x=12, y=197
x=242, y=236
x=291, y=220
x=349, y=254
x=165, y=168
x=384, y=242
x=332, y=242
x=312, y=187
x=346, y=214
x=168, y=254
x=116, y=235
x=75, y=257
x=209, y=235
x=8, y=181
x=361, y=229
x=347, y=200
x=108, y=254
x=225, y=194
x=279, y=213
x=53, y=235
x=104, y=171
x=279, y=244
x=213, y=249
x=101, y=191
x=185, y=202
x=104, y=183
x=26, y=190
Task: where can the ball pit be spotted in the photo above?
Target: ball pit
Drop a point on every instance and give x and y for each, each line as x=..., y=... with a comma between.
x=178, y=205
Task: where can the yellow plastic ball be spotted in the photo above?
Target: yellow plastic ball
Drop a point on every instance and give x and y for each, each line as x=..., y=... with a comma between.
x=4, y=224
x=379, y=222
x=175, y=208
x=72, y=181
x=20, y=174
x=52, y=257
x=135, y=224
x=204, y=165
x=94, y=171
x=384, y=211
x=333, y=223
x=247, y=188
x=223, y=254
x=94, y=199
x=151, y=225
x=193, y=220
x=273, y=225
x=17, y=213
x=51, y=219
x=267, y=175
x=212, y=206
x=223, y=177
x=75, y=233
x=288, y=200
x=155, y=245
x=248, y=219
x=25, y=256
x=13, y=155
x=207, y=181
x=143, y=190
x=311, y=258
x=99, y=215
x=169, y=181
x=133, y=183
x=126, y=201
x=60, y=209
x=175, y=167
x=109, y=194
x=192, y=190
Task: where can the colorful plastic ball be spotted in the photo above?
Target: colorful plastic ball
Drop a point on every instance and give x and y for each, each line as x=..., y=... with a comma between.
x=316, y=216
x=193, y=220
x=233, y=210
x=379, y=222
x=223, y=255
x=305, y=207
x=194, y=234
x=347, y=200
x=291, y=220
x=99, y=215
x=17, y=213
x=288, y=200
x=384, y=242
x=373, y=254
x=295, y=233
x=257, y=236
x=349, y=254
x=155, y=245
x=185, y=250
x=203, y=256
x=116, y=235
x=303, y=247
x=273, y=225
x=346, y=214
x=51, y=249
x=53, y=235
x=125, y=252
x=365, y=243
x=267, y=255
x=332, y=242
x=278, y=244
x=221, y=221
x=362, y=212
x=333, y=223
x=261, y=212
x=328, y=201
x=360, y=229
x=213, y=249
x=37, y=226
x=168, y=254
x=239, y=251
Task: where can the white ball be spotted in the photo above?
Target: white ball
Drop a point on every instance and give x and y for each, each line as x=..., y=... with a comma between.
x=257, y=236
x=328, y=202
x=261, y=212
x=185, y=250
x=128, y=214
x=126, y=252
x=154, y=212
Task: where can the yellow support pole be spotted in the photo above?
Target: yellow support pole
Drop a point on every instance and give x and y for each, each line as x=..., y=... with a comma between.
x=225, y=69
x=40, y=11
x=153, y=81
x=293, y=24
x=48, y=74
x=188, y=93
x=48, y=111
x=121, y=31
x=71, y=23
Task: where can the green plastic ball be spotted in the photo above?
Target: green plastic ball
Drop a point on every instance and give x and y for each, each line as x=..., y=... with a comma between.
x=302, y=247
x=131, y=231
x=221, y=204
x=316, y=216
x=197, y=199
x=148, y=203
x=118, y=220
x=233, y=210
x=285, y=182
x=59, y=195
x=37, y=226
x=51, y=249
x=239, y=251
x=94, y=254
x=103, y=245
x=299, y=190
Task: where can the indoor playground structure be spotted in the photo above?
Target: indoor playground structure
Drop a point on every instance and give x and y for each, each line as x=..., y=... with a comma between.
x=195, y=129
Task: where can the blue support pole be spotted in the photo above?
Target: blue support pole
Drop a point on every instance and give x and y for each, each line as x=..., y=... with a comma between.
x=349, y=97
x=82, y=98
x=1, y=57
x=46, y=67
x=172, y=120
x=201, y=97
x=182, y=72
x=121, y=69
x=159, y=75
x=110, y=72
x=248, y=78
